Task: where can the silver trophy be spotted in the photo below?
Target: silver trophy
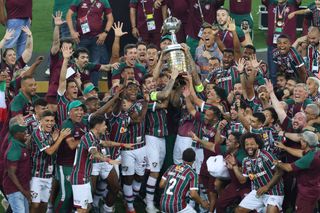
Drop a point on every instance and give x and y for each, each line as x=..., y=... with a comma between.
x=176, y=57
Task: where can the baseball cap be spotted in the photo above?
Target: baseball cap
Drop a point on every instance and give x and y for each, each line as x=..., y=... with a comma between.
x=89, y=88
x=15, y=128
x=167, y=36
x=75, y=104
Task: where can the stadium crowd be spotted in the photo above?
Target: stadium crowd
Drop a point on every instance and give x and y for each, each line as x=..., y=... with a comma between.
x=230, y=133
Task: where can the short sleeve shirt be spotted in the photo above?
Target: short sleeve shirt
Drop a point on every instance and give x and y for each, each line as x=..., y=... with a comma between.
x=92, y=13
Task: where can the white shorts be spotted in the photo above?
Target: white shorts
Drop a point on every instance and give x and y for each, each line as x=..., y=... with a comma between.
x=82, y=195
x=134, y=162
x=156, y=152
x=253, y=202
x=40, y=189
x=181, y=144
x=188, y=209
x=199, y=159
x=101, y=169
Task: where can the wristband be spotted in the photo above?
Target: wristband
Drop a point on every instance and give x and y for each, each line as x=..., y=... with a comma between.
x=199, y=88
x=106, y=31
x=122, y=145
x=153, y=96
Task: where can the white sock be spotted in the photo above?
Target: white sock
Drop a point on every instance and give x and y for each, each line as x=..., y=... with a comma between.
x=136, y=187
x=151, y=186
x=107, y=208
x=128, y=195
x=100, y=192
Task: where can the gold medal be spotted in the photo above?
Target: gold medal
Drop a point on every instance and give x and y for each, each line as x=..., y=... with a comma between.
x=279, y=23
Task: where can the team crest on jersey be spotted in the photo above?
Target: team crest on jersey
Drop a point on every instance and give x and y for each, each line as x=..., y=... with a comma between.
x=179, y=168
x=260, y=165
x=68, y=178
x=98, y=5
x=154, y=164
x=125, y=168
x=84, y=5
x=207, y=6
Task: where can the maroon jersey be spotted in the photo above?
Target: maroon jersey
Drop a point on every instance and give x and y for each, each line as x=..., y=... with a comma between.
x=65, y=155
x=136, y=131
x=194, y=17
x=18, y=9
x=17, y=155
x=92, y=13
x=289, y=27
x=240, y=7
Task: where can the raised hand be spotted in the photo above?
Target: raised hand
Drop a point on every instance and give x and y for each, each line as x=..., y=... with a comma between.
x=9, y=34
x=66, y=52
x=254, y=62
x=241, y=64
x=269, y=86
x=57, y=18
x=231, y=25
x=157, y=4
x=26, y=30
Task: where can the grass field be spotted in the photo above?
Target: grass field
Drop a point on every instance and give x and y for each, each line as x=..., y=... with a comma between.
x=42, y=25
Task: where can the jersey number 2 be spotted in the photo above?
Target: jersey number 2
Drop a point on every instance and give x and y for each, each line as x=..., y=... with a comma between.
x=172, y=183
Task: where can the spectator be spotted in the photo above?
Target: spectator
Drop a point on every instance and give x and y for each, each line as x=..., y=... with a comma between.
x=18, y=18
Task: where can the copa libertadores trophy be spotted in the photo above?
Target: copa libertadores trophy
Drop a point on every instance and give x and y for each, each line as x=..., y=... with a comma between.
x=176, y=57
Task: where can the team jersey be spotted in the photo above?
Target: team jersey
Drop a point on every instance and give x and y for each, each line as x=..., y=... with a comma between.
x=315, y=14
x=62, y=112
x=136, y=131
x=308, y=174
x=180, y=179
x=118, y=130
x=21, y=105
x=235, y=126
x=288, y=63
x=316, y=98
x=294, y=107
x=224, y=78
x=156, y=121
x=42, y=163
x=255, y=104
x=312, y=61
x=31, y=122
x=205, y=132
x=65, y=155
x=82, y=165
x=260, y=172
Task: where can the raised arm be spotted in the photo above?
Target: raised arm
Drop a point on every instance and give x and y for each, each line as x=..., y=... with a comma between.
x=275, y=102
x=57, y=18
x=115, y=55
x=7, y=36
x=164, y=94
x=27, y=53
x=67, y=53
x=236, y=42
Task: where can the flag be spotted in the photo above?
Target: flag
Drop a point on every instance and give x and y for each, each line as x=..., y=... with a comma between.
x=3, y=106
